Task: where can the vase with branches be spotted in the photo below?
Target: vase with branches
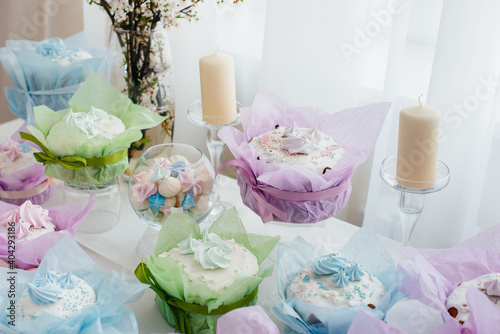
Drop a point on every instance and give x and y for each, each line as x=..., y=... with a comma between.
x=145, y=71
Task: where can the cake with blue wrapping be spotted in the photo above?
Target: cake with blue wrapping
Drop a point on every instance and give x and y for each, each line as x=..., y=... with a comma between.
x=333, y=281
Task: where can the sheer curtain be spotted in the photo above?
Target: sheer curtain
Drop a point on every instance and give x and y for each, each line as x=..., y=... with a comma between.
x=339, y=54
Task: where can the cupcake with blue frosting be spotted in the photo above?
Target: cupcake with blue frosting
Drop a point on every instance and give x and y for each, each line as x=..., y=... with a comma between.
x=333, y=281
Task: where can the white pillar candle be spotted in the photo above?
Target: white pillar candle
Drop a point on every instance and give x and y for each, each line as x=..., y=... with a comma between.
x=418, y=146
x=218, y=91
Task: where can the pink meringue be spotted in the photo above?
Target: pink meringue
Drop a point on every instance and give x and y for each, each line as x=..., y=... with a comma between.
x=197, y=187
x=22, y=229
x=9, y=217
x=162, y=162
x=35, y=215
x=168, y=211
x=187, y=181
x=492, y=288
x=142, y=177
x=144, y=190
x=206, y=181
x=12, y=149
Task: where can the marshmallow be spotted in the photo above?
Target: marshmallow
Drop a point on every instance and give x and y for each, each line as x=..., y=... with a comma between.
x=203, y=202
x=207, y=182
x=169, y=187
x=136, y=202
x=180, y=197
x=170, y=202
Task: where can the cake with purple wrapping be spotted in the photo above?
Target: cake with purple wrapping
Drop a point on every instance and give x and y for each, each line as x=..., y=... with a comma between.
x=488, y=284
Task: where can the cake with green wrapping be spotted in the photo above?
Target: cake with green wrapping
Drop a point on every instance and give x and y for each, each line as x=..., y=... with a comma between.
x=200, y=276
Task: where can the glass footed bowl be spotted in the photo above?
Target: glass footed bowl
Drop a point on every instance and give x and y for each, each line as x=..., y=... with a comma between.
x=168, y=177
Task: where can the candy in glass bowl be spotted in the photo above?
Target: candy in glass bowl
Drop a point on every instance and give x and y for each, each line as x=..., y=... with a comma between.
x=169, y=176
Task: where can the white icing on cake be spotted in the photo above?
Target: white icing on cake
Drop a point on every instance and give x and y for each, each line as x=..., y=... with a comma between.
x=71, y=301
x=292, y=145
x=457, y=298
x=320, y=290
x=8, y=166
x=34, y=232
x=242, y=261
x=96, y=122
x=69, y=56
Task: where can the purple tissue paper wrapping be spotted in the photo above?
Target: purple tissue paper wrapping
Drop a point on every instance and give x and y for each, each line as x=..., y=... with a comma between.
x=249, y=320
x=432, y=274
x=26, y=178
x=357, y=129
x=66, y=218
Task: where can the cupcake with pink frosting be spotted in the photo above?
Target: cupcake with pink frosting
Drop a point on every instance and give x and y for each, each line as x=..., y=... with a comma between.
x=28, y=222
x=31, y=230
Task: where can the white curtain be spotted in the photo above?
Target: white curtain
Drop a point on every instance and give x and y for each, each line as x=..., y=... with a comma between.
x=339, y=54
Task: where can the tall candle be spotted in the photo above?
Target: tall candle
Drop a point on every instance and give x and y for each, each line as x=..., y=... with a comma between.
x=418, y=146
x=218, y=91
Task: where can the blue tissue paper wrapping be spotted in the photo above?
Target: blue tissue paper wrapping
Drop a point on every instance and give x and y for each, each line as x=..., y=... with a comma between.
x=107, y=315
x=363, y=248
x=38, y=80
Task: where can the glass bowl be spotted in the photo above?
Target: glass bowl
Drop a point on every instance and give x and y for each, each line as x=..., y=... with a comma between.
x=168, y=177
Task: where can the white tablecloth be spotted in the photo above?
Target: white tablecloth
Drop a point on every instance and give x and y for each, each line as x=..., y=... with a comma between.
x=116, y=248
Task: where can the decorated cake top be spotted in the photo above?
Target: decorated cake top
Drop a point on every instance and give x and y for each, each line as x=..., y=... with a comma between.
x=56, y=50
x=292, y=145
x=30, y=221
x=95, y=122
x=212, y=261
x=488, y=284
x=15, y=156
x=332, y=280
x=63, y=294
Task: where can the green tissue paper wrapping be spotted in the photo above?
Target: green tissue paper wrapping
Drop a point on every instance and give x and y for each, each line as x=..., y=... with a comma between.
x=174, y=282
x=64, y=140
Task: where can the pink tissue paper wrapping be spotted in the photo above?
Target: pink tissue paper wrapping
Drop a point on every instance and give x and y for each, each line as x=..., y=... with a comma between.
x=26, y=178
x=432, y=274
x=357, y=129
x=66, y=218
x=249, y=320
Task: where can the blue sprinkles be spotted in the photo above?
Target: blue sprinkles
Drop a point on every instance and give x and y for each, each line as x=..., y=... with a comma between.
x=322, y=286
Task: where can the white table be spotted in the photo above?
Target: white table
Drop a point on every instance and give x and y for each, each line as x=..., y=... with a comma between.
x=116, y=248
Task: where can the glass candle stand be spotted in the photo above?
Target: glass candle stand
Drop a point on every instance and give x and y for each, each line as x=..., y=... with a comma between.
x=411, y=200
x=215, y=148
